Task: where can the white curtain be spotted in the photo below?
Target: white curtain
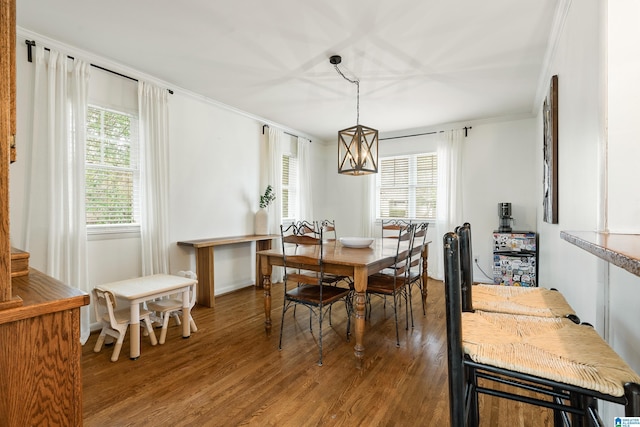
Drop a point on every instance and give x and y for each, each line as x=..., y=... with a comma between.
x=369, y=205
x=275, y=146
x=449, y=202
x=154, y=177
x=56, y=187
x=304, y=179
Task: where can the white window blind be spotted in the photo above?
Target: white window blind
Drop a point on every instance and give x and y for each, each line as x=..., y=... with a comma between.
x=112, y=168
x=407, y=186
x=289, y=187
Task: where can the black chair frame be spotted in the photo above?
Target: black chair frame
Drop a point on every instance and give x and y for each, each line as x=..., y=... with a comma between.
x=311, y=290
x=396, y=285
x=569, y=403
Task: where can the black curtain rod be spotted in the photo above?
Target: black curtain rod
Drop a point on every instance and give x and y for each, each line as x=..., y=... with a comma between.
x=31, y=43
x=466, y=129
x=290, y=134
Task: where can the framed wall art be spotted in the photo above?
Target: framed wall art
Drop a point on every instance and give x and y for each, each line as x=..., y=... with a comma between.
x=550, y=156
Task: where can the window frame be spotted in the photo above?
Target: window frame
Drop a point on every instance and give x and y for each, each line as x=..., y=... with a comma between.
x=126, y=230
x=411, y=186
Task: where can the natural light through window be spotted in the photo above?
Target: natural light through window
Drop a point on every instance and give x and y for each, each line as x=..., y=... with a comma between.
x=407, y=186
x=112, y=169
x=289, y=187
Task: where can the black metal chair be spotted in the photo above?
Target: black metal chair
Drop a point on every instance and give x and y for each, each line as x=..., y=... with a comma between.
x=394, y=281
x=304, y=277
x=417, y=268
x=519, y=353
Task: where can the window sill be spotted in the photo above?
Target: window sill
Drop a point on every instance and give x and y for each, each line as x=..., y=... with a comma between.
x=108, y=232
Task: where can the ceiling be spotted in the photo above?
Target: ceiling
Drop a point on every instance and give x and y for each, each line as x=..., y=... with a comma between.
x=421, y=63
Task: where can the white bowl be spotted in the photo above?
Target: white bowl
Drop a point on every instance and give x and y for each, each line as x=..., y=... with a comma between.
x=356, y=242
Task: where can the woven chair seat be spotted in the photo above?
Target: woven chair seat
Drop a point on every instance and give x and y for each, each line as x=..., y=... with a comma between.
x=520, y=300
x=554, y=348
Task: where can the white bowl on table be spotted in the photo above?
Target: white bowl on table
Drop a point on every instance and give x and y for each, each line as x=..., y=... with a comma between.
x=356, y=242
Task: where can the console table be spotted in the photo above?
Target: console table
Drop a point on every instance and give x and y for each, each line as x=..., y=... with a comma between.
x=204, y=260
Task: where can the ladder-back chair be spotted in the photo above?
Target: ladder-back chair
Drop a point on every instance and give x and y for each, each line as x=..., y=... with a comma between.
x=567, y=364
x=304, y=278
x=394, y=281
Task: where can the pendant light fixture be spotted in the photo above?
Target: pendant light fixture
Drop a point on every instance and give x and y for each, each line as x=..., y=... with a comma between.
x=357, y=145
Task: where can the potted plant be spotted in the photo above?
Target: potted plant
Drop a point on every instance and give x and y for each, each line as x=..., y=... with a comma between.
x=267, y=198
x=262, y=216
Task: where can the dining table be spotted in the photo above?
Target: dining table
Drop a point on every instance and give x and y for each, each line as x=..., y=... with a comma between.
x=357, y=263
x=141, y=289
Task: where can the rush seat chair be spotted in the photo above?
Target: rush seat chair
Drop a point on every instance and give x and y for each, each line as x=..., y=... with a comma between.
x=567, y=364
x=532, y=301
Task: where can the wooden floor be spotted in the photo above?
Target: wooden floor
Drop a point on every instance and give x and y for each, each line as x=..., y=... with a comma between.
x=230, y=373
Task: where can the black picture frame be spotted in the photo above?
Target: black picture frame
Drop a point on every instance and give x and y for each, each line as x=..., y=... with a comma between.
x=550, y=156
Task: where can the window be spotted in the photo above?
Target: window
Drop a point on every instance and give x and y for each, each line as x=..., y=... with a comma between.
x=111, y=168
x=289, y=187
x=407, y=186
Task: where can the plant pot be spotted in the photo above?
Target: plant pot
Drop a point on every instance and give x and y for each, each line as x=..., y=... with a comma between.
x=262, y=221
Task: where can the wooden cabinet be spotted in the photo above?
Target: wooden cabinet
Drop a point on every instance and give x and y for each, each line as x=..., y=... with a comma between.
x=40, y=376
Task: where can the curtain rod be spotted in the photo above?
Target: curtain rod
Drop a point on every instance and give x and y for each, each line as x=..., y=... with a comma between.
x=466, y=129
x=32, y=43
x=290, y=134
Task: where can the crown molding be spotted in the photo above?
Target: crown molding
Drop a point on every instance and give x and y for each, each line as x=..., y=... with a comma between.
x=559, y=19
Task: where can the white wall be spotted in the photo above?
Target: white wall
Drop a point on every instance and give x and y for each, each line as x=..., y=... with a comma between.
x=499, y=166
x=214, y=179
x=577, y=63
x=623, y=175
x=597, y=62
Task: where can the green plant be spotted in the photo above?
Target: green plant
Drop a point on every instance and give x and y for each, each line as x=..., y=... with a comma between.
x=268, y=197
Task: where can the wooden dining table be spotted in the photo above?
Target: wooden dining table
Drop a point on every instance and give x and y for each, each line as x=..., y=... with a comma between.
x=358, y=263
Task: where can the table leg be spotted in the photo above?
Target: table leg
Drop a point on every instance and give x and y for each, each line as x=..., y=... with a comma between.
x=360, y=283
x=266, y=268
x=134, y=331
x=261, y=245
x=425, y=275
x=205, y=273
x=186, y=313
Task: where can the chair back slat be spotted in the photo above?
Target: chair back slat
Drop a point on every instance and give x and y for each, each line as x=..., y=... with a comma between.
x=300, y=239
x=403, y=250
x=105, y=304
x=297, y=238
x=391, y=227
x=328, y=227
